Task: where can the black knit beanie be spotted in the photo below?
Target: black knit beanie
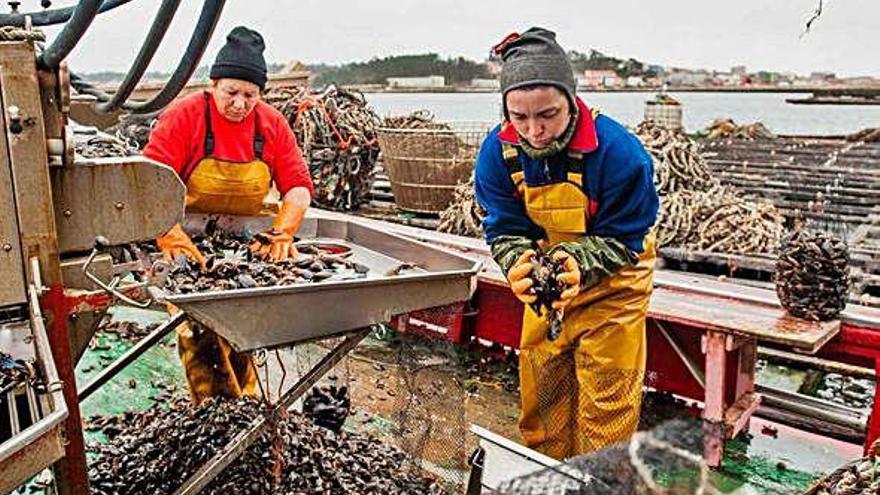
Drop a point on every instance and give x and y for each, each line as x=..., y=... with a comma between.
x=534, y=58
x=241, y=57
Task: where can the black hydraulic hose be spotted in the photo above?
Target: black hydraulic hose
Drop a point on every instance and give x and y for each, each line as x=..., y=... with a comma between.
x=197, y=43
x=84, y=87
x=144, y=56
x=83, y=15
x=53, y=16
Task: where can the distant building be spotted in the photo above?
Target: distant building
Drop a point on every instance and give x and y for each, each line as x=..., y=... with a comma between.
x=635, y=82
x=739, y=70
x=416, y=82
x=485, y=83
x=788, y=76
x=862, y=81
x=599, y=79
x=688, y=78
x=822, y=76
x=293, y=66
x=727, y=79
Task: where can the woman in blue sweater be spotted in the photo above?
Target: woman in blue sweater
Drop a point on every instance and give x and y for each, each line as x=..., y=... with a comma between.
x=559, y=177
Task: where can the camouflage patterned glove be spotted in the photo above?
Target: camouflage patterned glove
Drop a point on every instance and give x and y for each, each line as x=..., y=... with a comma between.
x=506, y=249
x=597, y=257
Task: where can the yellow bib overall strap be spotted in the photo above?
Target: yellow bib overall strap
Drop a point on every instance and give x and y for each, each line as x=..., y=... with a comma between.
x=582, y=391
x=562, y=209
x=219, y=186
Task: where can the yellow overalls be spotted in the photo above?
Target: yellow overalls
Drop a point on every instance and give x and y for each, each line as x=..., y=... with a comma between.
x=212, y=367
x=582, y=391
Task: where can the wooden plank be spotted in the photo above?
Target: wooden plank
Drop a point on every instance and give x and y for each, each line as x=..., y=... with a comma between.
x=737, y=416
x=716, y=383
x=732, y=261
x=729, y=316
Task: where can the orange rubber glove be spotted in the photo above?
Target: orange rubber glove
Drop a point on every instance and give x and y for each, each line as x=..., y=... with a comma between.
x=276, y=244
x=520, y=278
x=176, y=242
x=571, y=277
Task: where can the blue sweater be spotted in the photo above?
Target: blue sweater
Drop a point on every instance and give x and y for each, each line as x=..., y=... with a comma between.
x=618, y=175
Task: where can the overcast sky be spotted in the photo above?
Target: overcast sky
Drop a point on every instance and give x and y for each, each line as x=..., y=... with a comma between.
x=762, y=34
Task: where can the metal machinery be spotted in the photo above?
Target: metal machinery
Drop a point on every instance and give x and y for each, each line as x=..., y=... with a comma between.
x=60, y=212
x=53, y=207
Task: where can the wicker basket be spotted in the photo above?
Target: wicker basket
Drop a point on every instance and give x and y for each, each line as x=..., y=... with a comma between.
x=669, y=116
x=425, y=165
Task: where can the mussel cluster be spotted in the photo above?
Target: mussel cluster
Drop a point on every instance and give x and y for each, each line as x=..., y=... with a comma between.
x=127, y=330
x=103, y=146
x=548, y=289
x=640, y=465
x=812, y=275
x=231, y=265
x=134, y=129
x=328, y=406
x=418, y=119
x=851, y=391
x=728, y=129
x=156, y=450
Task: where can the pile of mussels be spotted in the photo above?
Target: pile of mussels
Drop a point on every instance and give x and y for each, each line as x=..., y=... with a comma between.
x=155, y=451
x=861, y=477
x=230, y=265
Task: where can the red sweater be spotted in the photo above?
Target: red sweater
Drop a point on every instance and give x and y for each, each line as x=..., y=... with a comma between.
x=178, y=140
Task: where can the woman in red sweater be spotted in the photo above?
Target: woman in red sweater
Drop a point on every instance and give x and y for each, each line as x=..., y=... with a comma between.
x=228, y=146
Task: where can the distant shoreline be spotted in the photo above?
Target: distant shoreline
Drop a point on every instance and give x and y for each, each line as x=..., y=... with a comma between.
x=689, y=89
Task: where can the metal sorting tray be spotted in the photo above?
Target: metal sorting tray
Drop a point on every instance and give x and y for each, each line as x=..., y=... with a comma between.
x=266, y=317
x=39, y=445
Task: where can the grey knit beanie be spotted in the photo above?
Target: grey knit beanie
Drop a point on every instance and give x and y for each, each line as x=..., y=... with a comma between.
x=534, y=58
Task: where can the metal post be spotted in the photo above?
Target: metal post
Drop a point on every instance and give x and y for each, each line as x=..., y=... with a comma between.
x=475, y=478
x=713, y=413
x=70, y=472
